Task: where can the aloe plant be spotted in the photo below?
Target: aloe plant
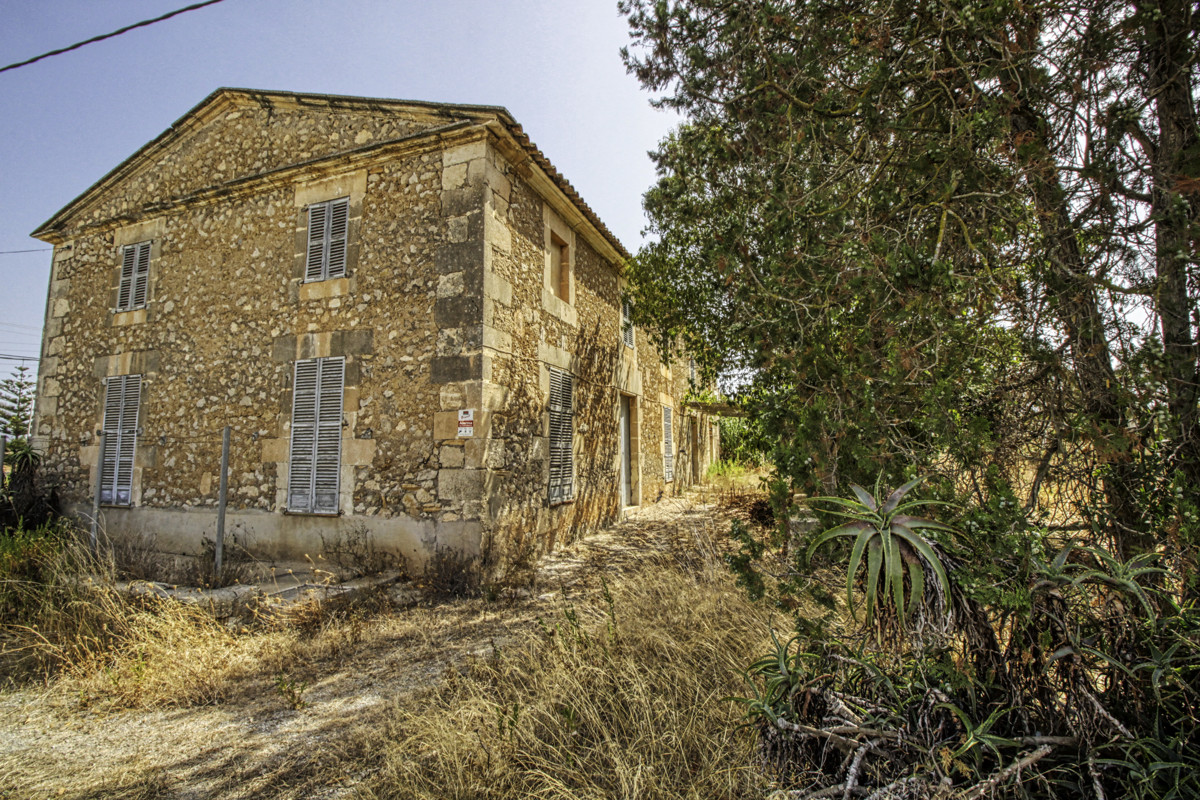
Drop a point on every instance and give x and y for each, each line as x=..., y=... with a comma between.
x=889, y=535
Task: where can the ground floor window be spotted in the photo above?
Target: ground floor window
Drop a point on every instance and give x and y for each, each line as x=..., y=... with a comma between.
x=316, y=451
x=562, y=431
x=122, y=401
x=668, y=447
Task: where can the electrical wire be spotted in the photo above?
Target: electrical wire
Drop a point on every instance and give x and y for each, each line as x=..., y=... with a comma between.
x=102, y=37
x=34, y=250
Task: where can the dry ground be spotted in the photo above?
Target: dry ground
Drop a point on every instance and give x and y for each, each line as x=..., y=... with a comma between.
x=303, y=719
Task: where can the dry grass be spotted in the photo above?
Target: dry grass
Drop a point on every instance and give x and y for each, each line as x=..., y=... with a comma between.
x=624, y=697
x=609, y=683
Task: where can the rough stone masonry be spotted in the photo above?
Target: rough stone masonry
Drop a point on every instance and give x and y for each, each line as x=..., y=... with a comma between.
x=470, y=276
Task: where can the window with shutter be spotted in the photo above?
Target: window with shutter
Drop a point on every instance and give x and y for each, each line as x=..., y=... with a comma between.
x=668, y=447
x=135, y=276
x=328, y=226
x=627, y=323
x=562, y=418
x=122, y=398
x=316, y=452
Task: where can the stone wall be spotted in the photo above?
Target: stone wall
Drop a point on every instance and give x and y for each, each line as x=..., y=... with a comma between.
x=227, y=316
x=446, y=310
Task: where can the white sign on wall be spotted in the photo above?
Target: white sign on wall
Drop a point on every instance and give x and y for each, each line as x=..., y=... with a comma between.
x=466, y=423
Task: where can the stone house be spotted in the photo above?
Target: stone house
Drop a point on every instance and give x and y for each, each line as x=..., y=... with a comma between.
x=411, y=321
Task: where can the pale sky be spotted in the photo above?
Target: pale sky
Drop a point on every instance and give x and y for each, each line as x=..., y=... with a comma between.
x=68, y=120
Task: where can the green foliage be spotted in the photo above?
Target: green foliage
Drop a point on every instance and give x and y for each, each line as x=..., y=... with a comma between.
x=1093, y=690
x=16, y=404
x=881, y=214
x=891, y=537
x=743, y=441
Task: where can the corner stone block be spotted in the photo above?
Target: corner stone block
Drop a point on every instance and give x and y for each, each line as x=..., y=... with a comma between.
x=453, y=369
x=454, y=176
x=445, y=424
x=466, y=256
x=464, y=153
x=460, y=485
x=456, y=312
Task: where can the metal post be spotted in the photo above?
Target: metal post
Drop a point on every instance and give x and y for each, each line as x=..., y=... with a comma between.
x=219, y=547
x=96, y=496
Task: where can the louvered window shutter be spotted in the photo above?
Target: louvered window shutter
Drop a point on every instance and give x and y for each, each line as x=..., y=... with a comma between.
x=562, y=464
x=316, y=450
x=328, y=226
x=339, y=218
x=318, y=223
x=668, y=447
x=128, y=264
x=135, y=276
x=141, y=275
x=328, y=455
x=122, y=400
x=627, y=323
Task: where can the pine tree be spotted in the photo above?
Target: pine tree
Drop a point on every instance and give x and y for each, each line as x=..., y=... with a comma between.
x=16, y=404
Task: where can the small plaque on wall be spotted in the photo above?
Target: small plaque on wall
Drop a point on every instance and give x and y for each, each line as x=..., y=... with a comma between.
x=466, y=423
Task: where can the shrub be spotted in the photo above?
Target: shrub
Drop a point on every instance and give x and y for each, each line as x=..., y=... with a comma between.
x=1087, y=686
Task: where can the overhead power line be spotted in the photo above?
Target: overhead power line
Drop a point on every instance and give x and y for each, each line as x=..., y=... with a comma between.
x=6, y=357
x=34, y=250
x=118, y=32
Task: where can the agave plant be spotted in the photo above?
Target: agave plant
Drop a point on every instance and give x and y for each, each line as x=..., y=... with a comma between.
x=889, y=535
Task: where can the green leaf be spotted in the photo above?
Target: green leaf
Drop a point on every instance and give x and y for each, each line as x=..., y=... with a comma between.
x=864, y=497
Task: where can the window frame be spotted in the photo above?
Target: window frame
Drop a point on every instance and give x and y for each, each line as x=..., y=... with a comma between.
x=627, y=334
x=561, y=412
x=120, y=426
x=133, y=288
x=324, y=379
x=326, y=254
x=668, y=445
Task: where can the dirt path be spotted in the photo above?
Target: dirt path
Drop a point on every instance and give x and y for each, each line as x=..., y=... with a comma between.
x=307, y=730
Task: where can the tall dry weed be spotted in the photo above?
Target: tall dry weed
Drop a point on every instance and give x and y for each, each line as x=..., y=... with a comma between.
x=623, y=698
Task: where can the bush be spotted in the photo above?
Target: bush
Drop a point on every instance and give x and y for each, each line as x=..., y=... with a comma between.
x=1084, y=685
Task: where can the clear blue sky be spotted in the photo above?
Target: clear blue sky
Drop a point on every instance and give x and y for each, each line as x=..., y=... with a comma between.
x=66, y=121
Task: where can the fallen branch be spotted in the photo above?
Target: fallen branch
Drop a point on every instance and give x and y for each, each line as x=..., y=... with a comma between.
x=841, y=742
x=982, y=788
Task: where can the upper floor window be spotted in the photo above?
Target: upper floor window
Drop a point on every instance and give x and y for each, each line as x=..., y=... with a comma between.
x=560, y=268
x=627, y=323
x=328, y=224
x=135, y=276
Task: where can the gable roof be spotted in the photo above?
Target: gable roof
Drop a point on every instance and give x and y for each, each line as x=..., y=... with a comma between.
x=455, y=116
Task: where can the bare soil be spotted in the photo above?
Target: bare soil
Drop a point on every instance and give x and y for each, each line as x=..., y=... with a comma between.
x=310, y=729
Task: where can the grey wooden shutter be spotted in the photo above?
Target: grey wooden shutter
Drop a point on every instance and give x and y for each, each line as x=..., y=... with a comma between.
x=122, y=401
x=128, y=264
x=141, y=275
x=328, y=225
x=627, y=323
x=668, y=447
x=339, y=219
x=562, y=464
x=327, y=457
x=316, y=451
x=318, y=224
x=304, y=436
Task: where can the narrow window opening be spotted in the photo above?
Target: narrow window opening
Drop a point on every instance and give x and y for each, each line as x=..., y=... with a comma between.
x=562, y=434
